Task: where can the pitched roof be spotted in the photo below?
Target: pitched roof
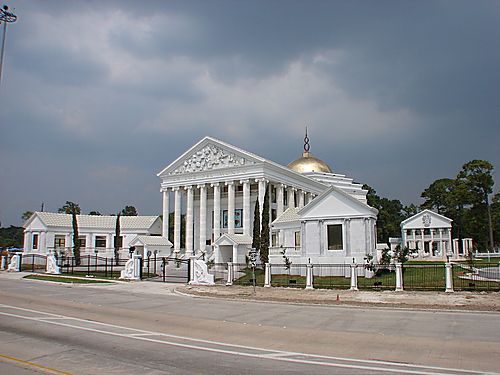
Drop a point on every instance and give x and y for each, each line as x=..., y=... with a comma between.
x=151, y=241
x=235, y=239
x=290, y=214
x=52, y=219
x=426, y=211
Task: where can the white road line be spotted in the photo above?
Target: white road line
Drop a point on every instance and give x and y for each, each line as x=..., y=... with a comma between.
x=277, y=355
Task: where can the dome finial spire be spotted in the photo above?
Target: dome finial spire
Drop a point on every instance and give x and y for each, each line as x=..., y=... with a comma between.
x=307, y=146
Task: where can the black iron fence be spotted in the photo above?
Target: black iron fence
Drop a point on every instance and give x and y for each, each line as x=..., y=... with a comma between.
x=91, y=265
x=33, y=262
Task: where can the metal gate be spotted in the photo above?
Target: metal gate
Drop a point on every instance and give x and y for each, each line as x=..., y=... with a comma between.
x=165, y=269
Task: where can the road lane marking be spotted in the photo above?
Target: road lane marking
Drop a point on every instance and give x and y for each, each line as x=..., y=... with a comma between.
x=50, y=370
x=278, y=355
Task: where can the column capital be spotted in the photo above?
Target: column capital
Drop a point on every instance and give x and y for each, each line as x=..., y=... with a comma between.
x=199, y=186
x=164, y=190
x=176, y=188
x=228, y=183
x=262, y=179
x=188, y=187
x=245, y=181
x=293, y=188
x=214, y=184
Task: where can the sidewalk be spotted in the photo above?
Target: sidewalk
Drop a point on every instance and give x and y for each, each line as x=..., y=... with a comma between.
x=480, y=301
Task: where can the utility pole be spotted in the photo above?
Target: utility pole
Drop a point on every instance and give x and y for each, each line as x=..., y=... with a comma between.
x=5, y=17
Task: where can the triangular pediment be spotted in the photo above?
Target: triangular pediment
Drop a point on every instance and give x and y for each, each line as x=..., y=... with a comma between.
x=210, y=154
x=426, y=219
x=335, y=203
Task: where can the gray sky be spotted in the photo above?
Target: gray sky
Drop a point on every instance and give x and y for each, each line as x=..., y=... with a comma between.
x=99, y=96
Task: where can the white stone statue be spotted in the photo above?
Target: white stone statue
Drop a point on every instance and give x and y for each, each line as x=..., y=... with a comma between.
x=128, y=272
x=14, y=263
x=52, y=266
x=201, y=275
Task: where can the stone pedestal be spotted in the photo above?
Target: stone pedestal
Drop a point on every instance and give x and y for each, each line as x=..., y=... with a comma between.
x=354, y=277
x=267, y=276
x=309, y=277
x=449, y=277
x=399, y=277
x=230, y=274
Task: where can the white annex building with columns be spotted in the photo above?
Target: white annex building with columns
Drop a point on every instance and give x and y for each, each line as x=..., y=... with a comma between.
x=314, y=212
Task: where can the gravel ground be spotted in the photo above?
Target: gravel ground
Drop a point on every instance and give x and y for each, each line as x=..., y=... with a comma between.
x=482, y=301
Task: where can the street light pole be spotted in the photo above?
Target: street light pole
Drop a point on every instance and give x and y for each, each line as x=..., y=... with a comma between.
x=5, y=17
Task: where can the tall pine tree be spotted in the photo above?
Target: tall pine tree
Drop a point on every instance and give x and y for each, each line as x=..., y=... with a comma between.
x=256, y=227
x=264, y=233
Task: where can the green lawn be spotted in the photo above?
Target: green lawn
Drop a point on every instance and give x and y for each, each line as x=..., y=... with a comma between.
x=65, y=279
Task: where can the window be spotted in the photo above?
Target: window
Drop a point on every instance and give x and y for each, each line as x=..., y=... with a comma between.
x=273, y=194
x=408, y=232
x=285, y=199
x=100, y=241
x=83, y=241
x=335, y=237
x=273, y=214
x=274, y=239
x=59, y=242
x=427, y=232
x=297, y=239
x=35, y=241
x=418, y=232
x=238, y=218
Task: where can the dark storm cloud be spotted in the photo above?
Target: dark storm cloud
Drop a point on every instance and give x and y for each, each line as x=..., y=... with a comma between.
x=98, y=96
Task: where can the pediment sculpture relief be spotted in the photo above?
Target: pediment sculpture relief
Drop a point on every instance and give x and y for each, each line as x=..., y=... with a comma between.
x=211, y=157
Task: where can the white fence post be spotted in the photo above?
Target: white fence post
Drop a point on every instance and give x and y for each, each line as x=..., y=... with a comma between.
x=137, y=266
x=230, y=274
x=4, y=263
x=309, y=276
x=267, y=276
x=399, y=277
x=192, y=258
x=449, y=277
x=354, y=277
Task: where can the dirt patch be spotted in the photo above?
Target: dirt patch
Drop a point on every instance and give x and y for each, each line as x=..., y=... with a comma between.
x=423, y=300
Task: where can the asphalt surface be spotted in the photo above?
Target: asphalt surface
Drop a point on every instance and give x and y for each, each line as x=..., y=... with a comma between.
x=148, y=328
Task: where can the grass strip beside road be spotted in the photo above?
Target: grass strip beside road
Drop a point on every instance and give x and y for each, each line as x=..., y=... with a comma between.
x=66, y=279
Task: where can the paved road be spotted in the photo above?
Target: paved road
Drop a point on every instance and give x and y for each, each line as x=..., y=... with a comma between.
x=146, y=328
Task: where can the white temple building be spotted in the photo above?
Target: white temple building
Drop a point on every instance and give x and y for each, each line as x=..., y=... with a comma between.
x=317, y=213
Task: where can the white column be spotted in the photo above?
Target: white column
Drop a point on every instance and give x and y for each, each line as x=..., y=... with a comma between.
x=216, y=210
x=291, y=197
x=166, y=209
x=177, y=220
x=27, y=241
x=203, y=217
x=308, y=197
x=301, y=198
x=42, y=247
x=189, y=220
x=230, y=207
x=246, y=207
x=109, y=242
x=279, y=199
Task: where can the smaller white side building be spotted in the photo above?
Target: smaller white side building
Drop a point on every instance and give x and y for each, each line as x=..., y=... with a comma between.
x=428, y=235
x=335, y=228
x=45, y=232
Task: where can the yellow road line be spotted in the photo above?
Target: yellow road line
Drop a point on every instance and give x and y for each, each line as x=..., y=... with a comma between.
x=49, y=369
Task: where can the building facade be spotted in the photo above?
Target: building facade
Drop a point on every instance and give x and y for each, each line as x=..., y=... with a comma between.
x=216, y=186
x=46, y=232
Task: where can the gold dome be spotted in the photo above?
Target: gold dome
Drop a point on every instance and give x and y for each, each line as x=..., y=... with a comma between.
x=308, y=163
